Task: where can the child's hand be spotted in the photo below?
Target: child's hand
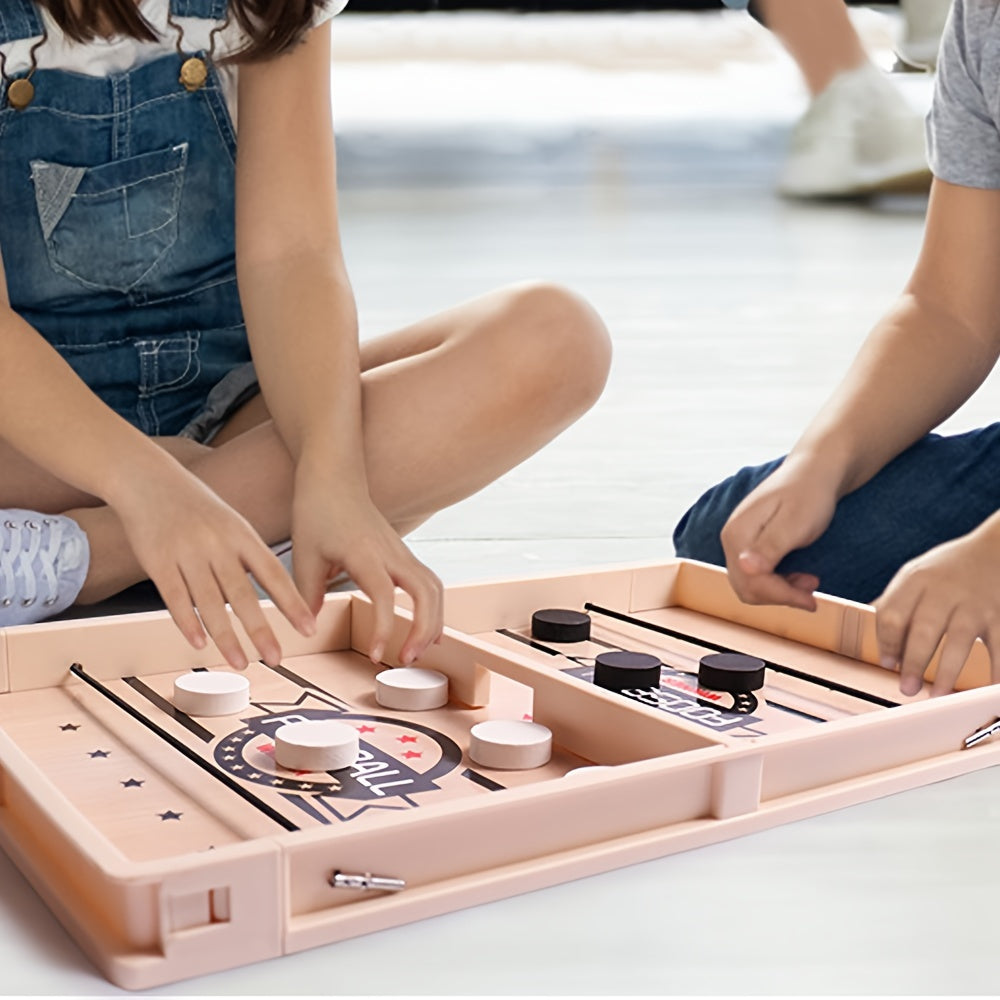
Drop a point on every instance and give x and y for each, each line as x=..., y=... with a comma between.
x=950, y=593
x=789, y=510
x=197, y=551
x=335, y=528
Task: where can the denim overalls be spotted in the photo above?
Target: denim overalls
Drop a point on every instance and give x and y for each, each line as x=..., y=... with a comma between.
x=117, y=227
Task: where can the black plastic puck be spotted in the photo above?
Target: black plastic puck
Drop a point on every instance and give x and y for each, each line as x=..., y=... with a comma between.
x=736, y=673
x=560, y=625
x=620, y=670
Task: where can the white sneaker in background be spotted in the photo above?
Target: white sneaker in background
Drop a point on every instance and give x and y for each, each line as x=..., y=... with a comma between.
x=43, y=563
x=923, y=25
x=859, y=137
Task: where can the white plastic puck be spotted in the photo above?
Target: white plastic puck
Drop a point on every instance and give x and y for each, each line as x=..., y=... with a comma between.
x=207, y=692
x=411, y=689
x=316, y=745
x=510, y=745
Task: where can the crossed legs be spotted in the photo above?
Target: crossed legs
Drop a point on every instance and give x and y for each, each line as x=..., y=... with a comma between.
x=449, y=404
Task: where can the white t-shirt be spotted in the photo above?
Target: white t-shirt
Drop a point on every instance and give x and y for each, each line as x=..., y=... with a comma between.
x=104, y=56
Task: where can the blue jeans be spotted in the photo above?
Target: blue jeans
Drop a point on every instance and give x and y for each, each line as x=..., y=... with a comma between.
x=938, y=489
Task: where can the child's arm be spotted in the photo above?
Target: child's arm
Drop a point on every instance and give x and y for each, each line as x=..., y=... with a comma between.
x=918, y=365
x=178, y=528
x=302, y=325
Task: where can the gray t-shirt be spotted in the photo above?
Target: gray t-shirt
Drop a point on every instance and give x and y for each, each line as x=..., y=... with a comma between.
x=963, y=127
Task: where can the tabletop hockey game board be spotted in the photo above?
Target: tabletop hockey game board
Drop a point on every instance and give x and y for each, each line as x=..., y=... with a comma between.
x=172, y=845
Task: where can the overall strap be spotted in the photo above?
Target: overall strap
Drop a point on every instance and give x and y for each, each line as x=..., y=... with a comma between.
x=212, y=10
x=19, y=19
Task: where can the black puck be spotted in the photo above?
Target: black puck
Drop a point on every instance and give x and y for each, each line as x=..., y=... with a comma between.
x=619, y=670
x=736, y=673
x=560, y=625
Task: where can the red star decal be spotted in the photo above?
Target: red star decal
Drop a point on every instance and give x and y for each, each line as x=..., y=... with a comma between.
x=407, y=739
x=526, y=717
x=366, y=729
x=266, y=748
x=411, y=753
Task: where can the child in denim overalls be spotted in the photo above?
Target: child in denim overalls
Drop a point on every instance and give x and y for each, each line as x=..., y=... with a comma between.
x=135, y=440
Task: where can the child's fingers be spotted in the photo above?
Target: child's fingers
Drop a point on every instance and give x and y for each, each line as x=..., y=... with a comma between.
x=309, y=573
x=992, y=640
x=382, y=593
x=428, y=612
x=806, y=582
x=760, y=536
x=926, y=626
x=957, y=646
x=242, y=598
x=278, y=585
x=893, y=611
x=174, y=593
x=772, y=588
x=211, y=605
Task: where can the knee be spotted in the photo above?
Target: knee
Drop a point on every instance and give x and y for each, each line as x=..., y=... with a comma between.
x=566, y=341
x=698, y=534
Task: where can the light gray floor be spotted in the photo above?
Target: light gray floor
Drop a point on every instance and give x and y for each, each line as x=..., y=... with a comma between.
x=732, y=314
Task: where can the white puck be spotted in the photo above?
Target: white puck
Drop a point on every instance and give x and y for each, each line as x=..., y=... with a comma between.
x=510, y=745
x=316, y=745
x=411, y=689
x=207, y=692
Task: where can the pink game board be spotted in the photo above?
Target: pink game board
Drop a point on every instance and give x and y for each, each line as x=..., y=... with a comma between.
x=172, y=846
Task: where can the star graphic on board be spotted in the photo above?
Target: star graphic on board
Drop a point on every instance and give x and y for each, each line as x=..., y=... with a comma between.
x=411, y=753
x=99, y=753
x=169, y=814
x=366, y=729
x=407, y=739
x=132, y=783
x=69, y=727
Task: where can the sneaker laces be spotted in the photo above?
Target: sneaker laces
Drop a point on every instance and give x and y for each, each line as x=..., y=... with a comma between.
x=22, y=554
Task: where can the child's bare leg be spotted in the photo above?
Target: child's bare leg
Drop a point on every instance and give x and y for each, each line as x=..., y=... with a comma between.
x=25, y=484
x=450, y=404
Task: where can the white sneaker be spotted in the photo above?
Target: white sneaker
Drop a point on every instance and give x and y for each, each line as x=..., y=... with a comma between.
x=923, y=25
x=858, y=137
x=43, y=563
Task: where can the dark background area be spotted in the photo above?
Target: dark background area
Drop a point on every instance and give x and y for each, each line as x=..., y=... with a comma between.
x=539, y=6
x=534, y=6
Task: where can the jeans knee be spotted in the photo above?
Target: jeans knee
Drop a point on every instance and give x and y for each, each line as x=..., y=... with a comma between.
x=697, y=535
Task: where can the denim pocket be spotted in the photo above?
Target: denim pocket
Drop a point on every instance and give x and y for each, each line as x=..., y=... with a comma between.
x=108, y=226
